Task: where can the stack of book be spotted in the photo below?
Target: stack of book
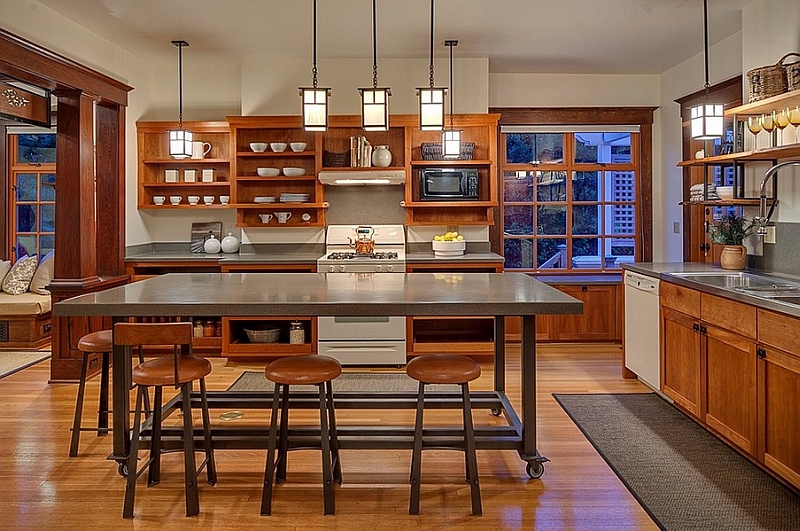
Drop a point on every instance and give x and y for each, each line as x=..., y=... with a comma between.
x=360, y=152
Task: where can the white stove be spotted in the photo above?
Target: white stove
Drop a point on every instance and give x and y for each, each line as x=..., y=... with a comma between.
x=389, y=255
x=359, y=340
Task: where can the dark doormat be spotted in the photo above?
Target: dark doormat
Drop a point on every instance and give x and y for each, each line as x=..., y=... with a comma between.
x=347, y=381
x=684, y=477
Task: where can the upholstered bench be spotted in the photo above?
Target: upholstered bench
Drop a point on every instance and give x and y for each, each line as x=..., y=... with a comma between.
x=25, y=320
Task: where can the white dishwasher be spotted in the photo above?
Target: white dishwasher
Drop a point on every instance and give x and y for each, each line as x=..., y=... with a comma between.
x=642, y=328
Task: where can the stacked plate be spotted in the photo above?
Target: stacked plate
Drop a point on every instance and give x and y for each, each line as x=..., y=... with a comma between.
x=294, y=198
x=264, y=199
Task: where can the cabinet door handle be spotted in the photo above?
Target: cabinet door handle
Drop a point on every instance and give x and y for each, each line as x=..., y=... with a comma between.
x=703, y=329
x=695, y=327
x=761, y=353
x=584, y=288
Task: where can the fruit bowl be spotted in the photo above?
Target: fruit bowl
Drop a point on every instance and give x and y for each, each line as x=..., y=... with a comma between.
x=449, y=248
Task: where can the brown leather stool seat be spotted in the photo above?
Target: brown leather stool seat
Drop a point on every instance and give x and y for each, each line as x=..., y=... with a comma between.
x=179, y=370
x=302, y=370
x=445, y=369
x=92, y=343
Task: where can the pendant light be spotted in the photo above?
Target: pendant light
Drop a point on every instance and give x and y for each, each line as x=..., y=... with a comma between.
x=706, y=118
x=431, y=99
x=375, y=100
x=451, y=138
x=180, y=140
x=315, y=99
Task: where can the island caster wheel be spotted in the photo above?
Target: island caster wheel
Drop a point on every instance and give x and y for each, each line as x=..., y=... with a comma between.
x=122, y=469
x=496, y=412
x=535, y=470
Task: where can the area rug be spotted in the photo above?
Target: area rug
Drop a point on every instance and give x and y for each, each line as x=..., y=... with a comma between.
x=12, y=361
x=348, y=381
x=686, y=479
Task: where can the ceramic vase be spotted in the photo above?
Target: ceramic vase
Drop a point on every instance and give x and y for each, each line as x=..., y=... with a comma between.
x=230, y=243
x=211, y=245
x=733, y=257
x=381, y=157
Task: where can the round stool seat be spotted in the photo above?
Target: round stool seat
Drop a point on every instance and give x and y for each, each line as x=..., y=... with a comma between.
x=303, y=370
x=161, y=371
x=96, y=342
x=443, y=369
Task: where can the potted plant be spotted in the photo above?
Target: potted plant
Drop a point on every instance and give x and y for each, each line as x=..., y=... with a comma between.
x=730, y=231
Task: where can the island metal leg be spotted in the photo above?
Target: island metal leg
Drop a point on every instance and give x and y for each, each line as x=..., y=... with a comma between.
x=120, y=385
x=529, y=453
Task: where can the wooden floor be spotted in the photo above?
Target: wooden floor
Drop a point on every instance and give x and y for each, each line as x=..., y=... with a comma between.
x=42, y=488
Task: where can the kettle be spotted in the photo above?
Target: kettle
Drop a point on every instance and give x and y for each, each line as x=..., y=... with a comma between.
x=364, y=244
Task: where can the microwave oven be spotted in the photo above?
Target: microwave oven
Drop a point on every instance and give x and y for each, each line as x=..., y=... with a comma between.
x=448, y=184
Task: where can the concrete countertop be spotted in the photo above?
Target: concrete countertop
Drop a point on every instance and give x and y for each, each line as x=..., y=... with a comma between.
x=320, y=294
x=670, y=272
x=248, y=254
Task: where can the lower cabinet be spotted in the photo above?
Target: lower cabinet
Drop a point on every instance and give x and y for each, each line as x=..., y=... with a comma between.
x=681, y=365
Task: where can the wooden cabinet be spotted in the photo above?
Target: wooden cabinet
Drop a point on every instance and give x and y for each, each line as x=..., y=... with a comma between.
x=600, y=321
x=250, y=189
x=779, y=394
x=707, y=369
x=161, y=175
x=237, y=346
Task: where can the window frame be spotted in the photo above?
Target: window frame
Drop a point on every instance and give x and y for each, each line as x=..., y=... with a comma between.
x=576, y=117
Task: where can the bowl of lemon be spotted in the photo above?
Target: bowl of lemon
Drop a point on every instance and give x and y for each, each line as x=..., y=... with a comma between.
x=448, y=244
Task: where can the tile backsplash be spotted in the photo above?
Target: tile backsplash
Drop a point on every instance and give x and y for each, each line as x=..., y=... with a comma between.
x=784, y=255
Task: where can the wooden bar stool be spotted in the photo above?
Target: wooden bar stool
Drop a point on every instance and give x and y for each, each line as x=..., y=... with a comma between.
x=302, y=370
x=179, y=370
x=445, y=369
x=92, y=343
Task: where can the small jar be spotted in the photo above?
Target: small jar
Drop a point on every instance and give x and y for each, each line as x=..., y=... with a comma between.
x=198, y=328
x=208, y=328
x=218, y=328
x=297, y=335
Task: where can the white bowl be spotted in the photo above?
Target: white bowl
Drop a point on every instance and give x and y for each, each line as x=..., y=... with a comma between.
x=725, y=192
x=258, y=147
x=278, y=147
x=268, y=172
x=298, y=146
x=294, y=172
x=452, y=248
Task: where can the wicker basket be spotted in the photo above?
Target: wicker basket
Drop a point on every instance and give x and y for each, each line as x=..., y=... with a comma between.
x=433, y=151
x=768, y=81
x=792, y=74
x=331, y=159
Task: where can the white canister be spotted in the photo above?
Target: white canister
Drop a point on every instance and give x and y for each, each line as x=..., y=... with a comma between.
x=208, y=175
x=230, y=243
x=211, y=245
x=189, y=175
x=297, y=334
x=381, y=157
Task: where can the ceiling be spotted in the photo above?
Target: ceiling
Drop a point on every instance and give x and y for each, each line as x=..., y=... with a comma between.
x=535, y=36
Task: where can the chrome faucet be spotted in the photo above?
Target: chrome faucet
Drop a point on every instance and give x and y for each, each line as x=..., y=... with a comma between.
x=763, y=218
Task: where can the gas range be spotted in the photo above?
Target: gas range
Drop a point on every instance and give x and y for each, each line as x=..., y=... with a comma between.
x=388, y=255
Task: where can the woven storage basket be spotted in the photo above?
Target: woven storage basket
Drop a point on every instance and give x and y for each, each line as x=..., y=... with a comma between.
x=768, y=81
x=433, y=150
x=332, y=159
x=792, y=74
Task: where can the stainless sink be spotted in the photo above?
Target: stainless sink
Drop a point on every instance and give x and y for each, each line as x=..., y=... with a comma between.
x=738, y=280
x=795, y=301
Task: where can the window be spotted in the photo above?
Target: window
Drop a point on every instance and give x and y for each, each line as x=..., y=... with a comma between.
x=570, y=198
x=31, y=212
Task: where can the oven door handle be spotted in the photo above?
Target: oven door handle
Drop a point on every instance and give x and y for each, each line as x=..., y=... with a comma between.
x=363, y=348
x=359, y=319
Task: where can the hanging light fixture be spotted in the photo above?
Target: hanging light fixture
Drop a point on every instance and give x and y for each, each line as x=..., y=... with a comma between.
x=431, y=99
x=375, y=100
x=315, y=99
x=706, y=118
x=451, y=138
x=180, y=139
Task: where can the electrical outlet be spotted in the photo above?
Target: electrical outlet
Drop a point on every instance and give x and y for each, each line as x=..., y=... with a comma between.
x=769, y=237
x=676, y=227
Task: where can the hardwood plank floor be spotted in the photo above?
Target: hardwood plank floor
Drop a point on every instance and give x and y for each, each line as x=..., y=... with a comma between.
x=41, y=487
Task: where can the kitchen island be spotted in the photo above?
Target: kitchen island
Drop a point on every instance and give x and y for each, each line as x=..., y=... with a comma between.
x=358, y=294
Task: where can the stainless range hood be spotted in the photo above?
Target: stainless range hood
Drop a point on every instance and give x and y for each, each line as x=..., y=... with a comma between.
x=362, y=177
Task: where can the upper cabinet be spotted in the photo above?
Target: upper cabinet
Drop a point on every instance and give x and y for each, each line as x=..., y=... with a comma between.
x=268, y=165
x=161, y=176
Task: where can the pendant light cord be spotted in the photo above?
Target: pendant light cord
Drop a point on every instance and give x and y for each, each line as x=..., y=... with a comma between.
x=180, y=45
x=450, y=44
x=314, y=40
x=705, y=41
x=431, y=67
x=374, y=48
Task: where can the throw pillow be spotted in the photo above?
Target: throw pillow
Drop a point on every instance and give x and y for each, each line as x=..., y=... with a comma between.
x=43, y=275
x=5, y=265
x=19, y=277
